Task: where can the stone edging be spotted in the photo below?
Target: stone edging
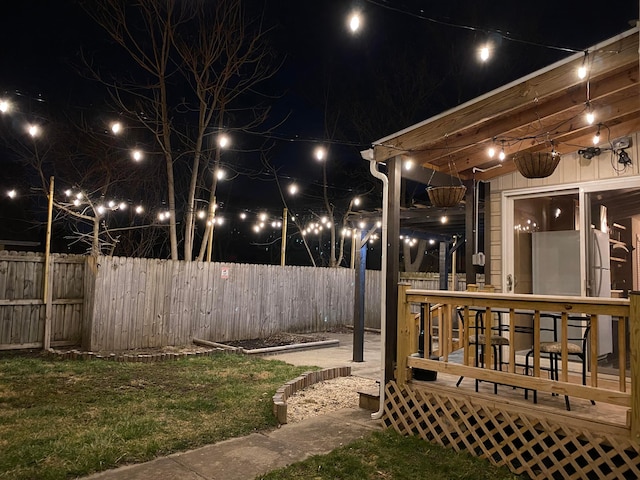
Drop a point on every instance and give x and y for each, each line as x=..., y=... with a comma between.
x=305, y=380
x=129, y=357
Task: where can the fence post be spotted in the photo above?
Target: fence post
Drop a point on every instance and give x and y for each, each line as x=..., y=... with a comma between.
x=89, y=342
x=634, y=348
x=405, y=336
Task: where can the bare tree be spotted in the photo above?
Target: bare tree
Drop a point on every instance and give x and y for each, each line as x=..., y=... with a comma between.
x=195, y=60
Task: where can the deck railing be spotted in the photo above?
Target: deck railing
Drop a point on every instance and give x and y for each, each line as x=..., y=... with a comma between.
x=454, y=313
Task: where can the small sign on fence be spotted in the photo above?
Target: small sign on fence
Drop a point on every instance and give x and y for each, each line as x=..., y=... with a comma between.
x=224, y=273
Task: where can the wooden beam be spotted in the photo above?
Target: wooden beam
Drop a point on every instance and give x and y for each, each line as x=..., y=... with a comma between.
x=619, y=54
x=469, y=235
x=627, y=127
x=553, y=110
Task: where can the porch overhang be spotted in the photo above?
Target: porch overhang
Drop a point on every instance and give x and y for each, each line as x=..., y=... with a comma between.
x=548, y=105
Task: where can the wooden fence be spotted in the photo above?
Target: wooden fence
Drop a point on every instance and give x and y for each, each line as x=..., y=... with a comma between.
x=113, y=303
x=139, y=303
x=22, y=305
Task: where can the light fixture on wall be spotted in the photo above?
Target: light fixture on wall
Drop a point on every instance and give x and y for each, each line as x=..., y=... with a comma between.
x=589, y=152
x=623, y=157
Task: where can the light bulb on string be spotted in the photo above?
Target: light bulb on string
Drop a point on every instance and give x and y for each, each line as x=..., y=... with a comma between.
x=136, y=155
x=224, y=141
x=484, y=53
x=582, y=69
x=502, y=155
x=596, y=137
x=5, y=106
x=12, y=193
x=33, y=130
x=491, y=152
x=582, y=72
x=320, y=153
x=590, y=116
x=139, y=209
x=116, y=128
x=355, y=21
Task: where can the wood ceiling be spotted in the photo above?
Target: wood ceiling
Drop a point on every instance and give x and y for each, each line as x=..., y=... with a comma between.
x=525, y=115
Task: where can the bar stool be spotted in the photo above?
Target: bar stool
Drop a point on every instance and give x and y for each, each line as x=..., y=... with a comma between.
x=576, y=345
x=479, y=341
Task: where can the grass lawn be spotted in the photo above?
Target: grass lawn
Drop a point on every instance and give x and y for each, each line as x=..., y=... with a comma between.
x=387, y=455
x=61, y=419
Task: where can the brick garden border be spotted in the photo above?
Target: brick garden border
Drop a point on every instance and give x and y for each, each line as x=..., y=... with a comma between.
x=305, y=380
x=130, y=357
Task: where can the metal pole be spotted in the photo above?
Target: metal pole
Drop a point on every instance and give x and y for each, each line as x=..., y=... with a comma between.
x=46, y=342
x=359, y=300
x=283, y=248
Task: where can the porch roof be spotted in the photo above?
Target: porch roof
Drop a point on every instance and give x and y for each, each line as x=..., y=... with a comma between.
x=526, y=114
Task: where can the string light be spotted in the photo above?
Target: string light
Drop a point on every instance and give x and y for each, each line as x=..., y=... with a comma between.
x=33, y=130
x=484, y=53
x=224, y=141
x=596, y=137
x=293, y=189
x=408, y=164
x=12, y=194
x=356, y=201
x=136, y=155
x=355, y=22
x=491, y=152
x=139, y=209
x=590, y=117
x=502, y=155
x=116, y=128
x=582, y=72
x=320, y=153
x=444, y=219
x=220, y=174
x=5, y=106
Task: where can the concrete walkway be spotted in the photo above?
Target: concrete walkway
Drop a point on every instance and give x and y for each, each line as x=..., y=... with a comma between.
x=259, y=453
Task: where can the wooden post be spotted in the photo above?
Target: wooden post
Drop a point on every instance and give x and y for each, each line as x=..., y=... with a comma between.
x=634, y=349
x=47, y=295
x=405, y=336
x=283, y=248
x=354, y=241
x=212, y=221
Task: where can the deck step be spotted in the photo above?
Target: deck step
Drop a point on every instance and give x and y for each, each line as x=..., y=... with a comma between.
x=369, y=399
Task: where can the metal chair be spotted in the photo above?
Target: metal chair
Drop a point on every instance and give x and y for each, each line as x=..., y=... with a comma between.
x=478, y=340
x=576, y=345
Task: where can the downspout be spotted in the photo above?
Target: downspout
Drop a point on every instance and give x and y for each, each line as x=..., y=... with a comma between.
x=373, y=168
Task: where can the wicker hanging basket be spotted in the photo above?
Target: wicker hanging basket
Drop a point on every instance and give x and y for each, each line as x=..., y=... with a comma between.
x=536, y=165
x=448, y=196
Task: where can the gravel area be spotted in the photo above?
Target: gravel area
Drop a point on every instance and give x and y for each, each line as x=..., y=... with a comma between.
x=328, y=396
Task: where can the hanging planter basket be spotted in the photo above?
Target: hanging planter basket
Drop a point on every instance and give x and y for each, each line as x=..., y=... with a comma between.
x=536, y=165
x=448, y=196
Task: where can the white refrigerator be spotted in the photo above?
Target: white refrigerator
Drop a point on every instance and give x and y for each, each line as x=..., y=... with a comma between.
x=555, y=270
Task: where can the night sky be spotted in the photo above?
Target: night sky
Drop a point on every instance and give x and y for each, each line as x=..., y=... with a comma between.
x=330, y=79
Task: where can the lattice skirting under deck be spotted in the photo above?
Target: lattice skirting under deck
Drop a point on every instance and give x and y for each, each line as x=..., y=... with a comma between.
x=522, y=438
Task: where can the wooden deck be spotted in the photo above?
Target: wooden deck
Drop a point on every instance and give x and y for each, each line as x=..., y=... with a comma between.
x=543, y=440
x=581, y=409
